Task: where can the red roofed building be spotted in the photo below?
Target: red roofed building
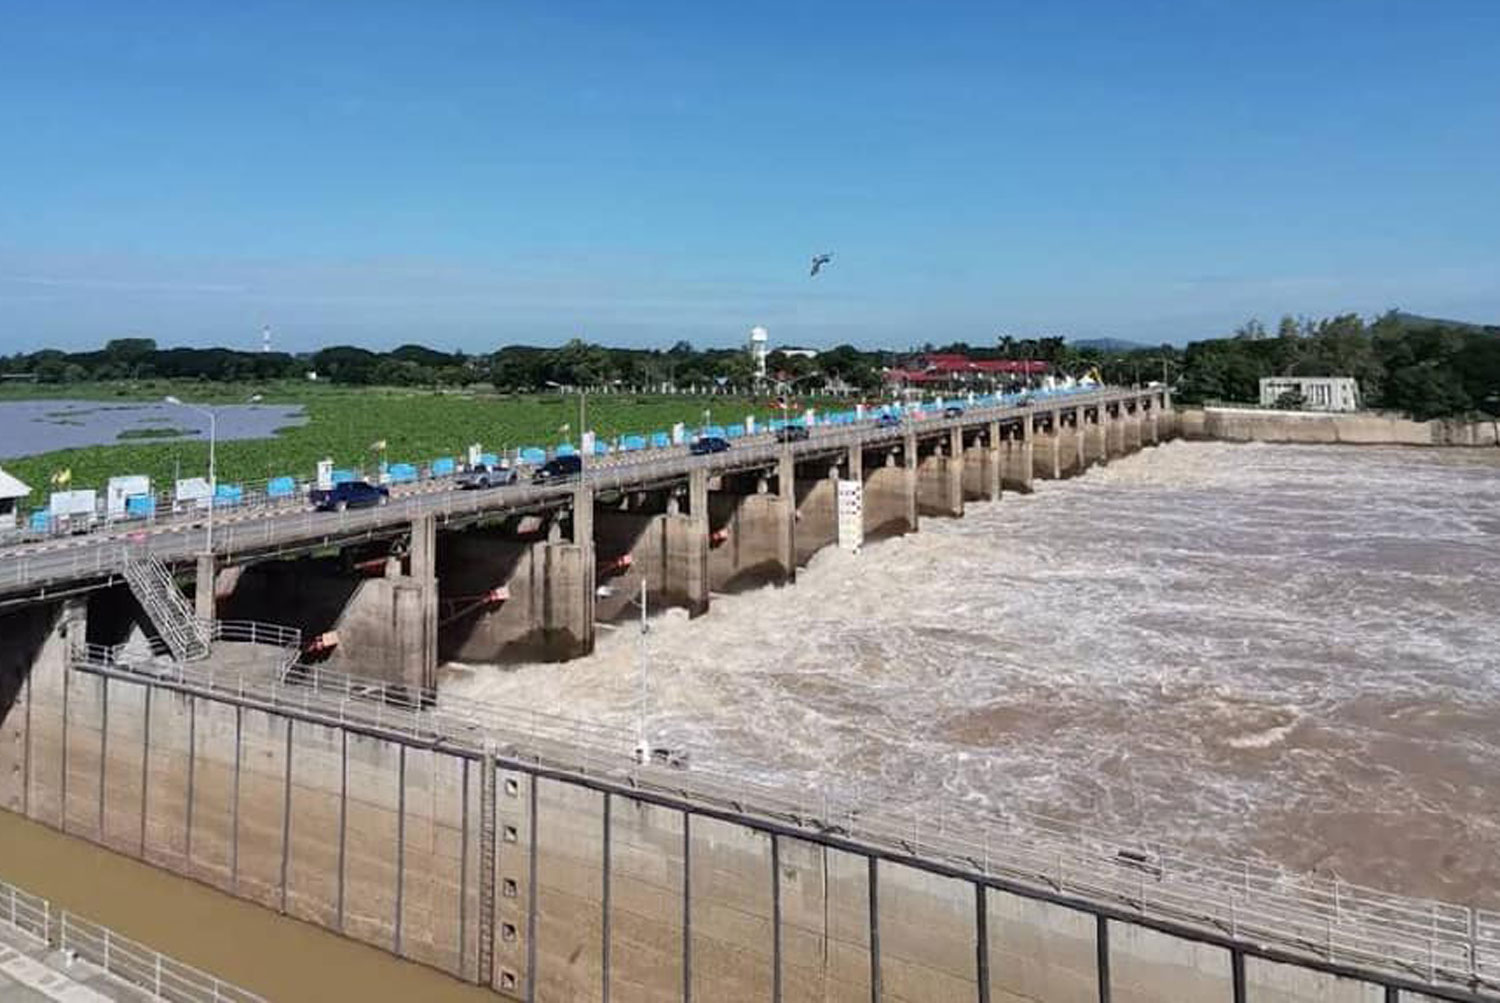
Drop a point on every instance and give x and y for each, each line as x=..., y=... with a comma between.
x=944, y=370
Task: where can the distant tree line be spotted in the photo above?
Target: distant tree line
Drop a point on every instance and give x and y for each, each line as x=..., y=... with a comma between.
x=1426, y=367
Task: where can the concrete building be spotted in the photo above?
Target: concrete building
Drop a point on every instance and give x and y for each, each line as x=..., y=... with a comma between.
x=1319, y=393
x=12, y=490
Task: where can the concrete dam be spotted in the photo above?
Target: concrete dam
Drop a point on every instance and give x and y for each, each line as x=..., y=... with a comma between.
x=535, y=855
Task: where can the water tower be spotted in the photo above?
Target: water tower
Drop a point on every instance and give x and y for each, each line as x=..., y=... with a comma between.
x=760, y=348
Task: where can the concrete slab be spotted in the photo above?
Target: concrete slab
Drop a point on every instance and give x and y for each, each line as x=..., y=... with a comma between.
x=31, y=972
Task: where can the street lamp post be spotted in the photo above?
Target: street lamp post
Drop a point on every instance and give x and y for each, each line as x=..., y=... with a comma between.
x=213, y=481
x=213, y=484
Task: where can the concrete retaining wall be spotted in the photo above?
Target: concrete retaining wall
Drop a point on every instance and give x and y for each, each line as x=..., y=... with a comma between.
x=1249, y=425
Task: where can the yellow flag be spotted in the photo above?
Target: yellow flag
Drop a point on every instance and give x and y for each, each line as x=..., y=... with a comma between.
x=62, y=477
x=378, y=444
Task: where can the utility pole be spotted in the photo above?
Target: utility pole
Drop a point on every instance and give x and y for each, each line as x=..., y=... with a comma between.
x=642, y=743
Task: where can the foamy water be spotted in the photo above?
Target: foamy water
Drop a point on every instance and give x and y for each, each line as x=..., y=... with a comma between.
x=1275, y=651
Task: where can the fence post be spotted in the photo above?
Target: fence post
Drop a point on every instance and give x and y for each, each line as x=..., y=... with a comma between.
x=1473, y=925
x=157, y=992
x=1432, y=947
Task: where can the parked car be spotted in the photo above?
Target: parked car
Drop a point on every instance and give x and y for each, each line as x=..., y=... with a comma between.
x=953, y=411
x=349, y=494
x=706, y=444
x=481, y=476
x=559, y=468
x=791, y=433
x=888, y=420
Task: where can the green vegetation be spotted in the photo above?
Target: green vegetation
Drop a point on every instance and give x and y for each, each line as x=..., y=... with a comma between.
x=165, y=432
x=1426, y=368
x=344, y=423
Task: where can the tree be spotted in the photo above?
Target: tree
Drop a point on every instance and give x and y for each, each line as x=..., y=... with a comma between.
x=1291, y=400
x=1251, y=330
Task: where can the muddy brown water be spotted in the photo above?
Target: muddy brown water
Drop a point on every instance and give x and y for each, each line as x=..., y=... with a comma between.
x=276, y=957
x=1285, y=653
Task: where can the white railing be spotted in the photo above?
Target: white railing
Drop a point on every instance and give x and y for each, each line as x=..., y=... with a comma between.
x=1325, y=918
x=164, y=604
x=123, y=959
x=156, y=656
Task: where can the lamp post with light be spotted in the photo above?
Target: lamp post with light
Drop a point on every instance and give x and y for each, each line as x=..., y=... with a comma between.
x=213, y=483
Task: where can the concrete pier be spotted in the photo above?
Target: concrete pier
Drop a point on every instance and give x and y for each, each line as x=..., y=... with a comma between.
x=940, y=476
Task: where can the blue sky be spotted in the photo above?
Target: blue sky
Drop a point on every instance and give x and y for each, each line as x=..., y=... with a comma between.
x=468, y=174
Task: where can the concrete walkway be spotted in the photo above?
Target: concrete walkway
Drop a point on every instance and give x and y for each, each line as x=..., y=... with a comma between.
x=31, y=972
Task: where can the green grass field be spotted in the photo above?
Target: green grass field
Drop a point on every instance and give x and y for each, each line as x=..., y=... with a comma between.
x=417, y=426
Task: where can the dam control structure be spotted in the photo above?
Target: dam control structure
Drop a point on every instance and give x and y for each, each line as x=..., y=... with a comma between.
x=324, y=777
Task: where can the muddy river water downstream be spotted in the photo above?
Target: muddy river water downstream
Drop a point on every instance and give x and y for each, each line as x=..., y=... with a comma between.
x=1286, y=653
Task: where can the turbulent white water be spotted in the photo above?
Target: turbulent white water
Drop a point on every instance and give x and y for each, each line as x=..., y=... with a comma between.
x=1278, y=651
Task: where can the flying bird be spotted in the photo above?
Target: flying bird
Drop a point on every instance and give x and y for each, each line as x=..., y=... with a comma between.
x=818, y=261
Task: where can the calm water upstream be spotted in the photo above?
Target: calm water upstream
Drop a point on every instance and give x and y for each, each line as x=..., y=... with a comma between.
x=1284, y=652
x=40, y=426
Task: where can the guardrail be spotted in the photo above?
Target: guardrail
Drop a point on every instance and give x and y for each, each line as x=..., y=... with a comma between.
x=1439, y=943
x=126, y=960
x=154, y=652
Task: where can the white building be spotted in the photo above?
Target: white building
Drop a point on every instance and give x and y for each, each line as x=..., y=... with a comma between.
x=1319, y=393
x=11, y=493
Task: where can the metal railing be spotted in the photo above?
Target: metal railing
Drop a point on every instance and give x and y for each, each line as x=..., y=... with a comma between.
x=1323, y=918
x=156, y=656
x=121, y=958
x=164, y=604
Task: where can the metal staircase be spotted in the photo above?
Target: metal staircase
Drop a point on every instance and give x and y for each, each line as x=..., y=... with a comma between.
x=165, y=606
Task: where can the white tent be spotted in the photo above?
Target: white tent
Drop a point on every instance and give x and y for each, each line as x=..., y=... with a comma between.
x=11, y=493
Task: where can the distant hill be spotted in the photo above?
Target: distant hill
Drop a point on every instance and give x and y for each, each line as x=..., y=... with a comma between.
x=1413, y=321
x=1110, y=345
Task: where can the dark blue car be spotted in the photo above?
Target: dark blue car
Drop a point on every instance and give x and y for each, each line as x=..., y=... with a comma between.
x=349, y=494
x=708, y=444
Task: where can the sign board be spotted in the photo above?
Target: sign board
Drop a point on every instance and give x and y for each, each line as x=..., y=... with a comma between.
x=586, y=444
x=121, y=488
x=191, y=492
x=679, y=434
x=750, y=424
x=475, y=455
x=851, y=515
x=811, y=417
x=73, y=504
x=325, y=474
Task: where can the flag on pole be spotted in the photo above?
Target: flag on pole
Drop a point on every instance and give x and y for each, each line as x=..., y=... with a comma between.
x=378, y=445
x=563, y=428
x=63, y=477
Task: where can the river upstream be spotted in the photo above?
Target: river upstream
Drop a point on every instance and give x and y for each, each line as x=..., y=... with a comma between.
x=1277, y=652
